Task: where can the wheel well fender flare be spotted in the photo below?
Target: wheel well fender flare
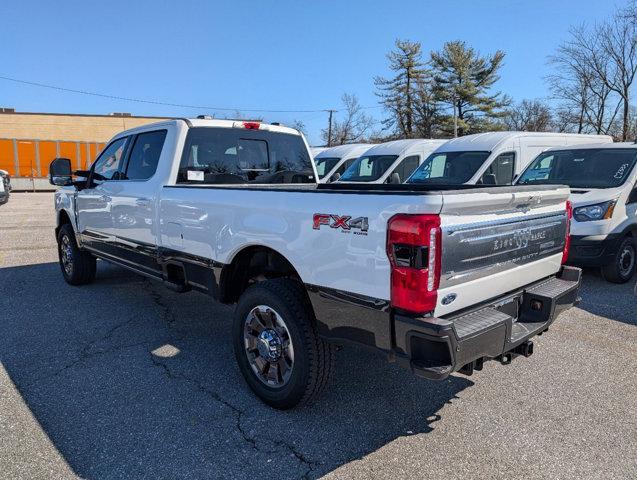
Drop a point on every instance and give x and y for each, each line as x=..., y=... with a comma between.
x=250, y=264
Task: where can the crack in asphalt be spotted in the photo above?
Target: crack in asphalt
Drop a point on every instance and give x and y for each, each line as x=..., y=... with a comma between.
x=158, y=299
x=239, y=416
x=85, y=352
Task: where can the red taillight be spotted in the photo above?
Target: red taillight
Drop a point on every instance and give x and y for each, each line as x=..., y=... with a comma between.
x=413, y=248
x=251, y=125
x=567, y=240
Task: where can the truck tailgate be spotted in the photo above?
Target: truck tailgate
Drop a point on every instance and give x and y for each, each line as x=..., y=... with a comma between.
x=497, y=240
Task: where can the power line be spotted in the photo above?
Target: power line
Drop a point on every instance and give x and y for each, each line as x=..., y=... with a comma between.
x=153, y=102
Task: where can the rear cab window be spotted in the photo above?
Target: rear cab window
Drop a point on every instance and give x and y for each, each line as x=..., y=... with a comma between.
x=218, y=155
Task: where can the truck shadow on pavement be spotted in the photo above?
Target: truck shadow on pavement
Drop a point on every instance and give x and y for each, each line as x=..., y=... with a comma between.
x=613, y=301
x=129, y=379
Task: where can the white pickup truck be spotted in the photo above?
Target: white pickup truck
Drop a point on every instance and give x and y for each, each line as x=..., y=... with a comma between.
x=440, y=279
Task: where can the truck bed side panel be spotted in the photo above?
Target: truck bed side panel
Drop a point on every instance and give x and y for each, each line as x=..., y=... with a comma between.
x=217, y=223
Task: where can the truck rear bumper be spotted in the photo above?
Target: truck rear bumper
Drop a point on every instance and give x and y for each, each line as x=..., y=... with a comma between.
x=435, y=347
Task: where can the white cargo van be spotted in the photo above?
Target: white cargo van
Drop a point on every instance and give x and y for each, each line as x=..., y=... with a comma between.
x=391, y=162
x=492, y=158
x=316, y=150
x=602, y=178
x=332, y=162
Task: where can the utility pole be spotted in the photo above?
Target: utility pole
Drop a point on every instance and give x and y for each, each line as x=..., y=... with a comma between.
x=329, y=127
x=455, y=119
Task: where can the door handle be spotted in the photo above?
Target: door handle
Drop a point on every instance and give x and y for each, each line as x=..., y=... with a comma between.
x=105, y=198
x=143, y=202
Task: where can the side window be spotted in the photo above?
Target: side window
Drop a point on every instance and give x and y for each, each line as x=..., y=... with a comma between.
x=107, y=166
x=407, y=167
x=144, y=156
x=346, y=164
x=438, y=166
x=500, y=172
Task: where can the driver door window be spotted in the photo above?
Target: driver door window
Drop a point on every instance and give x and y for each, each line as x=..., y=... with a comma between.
x=108, y=165
x=501, y=170
x=406, y=167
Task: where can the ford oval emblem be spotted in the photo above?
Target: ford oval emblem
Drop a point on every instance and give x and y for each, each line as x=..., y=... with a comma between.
x=447, y=299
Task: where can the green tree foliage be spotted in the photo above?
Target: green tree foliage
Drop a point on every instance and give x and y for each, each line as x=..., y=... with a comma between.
x=403, y=94
x=462, y=81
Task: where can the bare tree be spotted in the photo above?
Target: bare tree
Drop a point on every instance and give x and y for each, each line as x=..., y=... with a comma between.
x=300, y=126
x=618, y=41
x=352, y=127
x=529, y=116
x=595, y=71
x=578, y=83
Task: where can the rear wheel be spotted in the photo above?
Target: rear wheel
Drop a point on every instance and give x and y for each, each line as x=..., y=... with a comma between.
x=78, y=266
x=277, y=346
x=622, y=269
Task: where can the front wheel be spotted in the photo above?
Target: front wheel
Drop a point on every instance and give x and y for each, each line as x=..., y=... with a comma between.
x=277, y=346
x=78, y=266
x=622, y=268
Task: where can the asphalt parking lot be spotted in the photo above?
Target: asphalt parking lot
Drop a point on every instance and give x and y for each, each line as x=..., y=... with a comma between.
x=124, y=378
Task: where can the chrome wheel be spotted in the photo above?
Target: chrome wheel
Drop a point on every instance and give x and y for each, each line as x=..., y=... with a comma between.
x=66, y=255
x=626, y=260
x=268, y=346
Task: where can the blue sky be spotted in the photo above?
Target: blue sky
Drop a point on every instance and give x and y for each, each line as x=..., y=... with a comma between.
x=282, y=55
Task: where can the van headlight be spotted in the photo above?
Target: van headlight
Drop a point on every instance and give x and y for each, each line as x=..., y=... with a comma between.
x=598, y=211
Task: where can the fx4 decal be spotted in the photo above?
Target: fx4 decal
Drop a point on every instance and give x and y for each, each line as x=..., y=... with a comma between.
x=345, y=223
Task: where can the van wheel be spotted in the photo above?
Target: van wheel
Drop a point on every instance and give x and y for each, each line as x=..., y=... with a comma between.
x=78, y=266
x=277, y=346
x=622, y=269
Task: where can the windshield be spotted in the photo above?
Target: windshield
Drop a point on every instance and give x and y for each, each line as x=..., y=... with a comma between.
x=449, y=168
x=368, y=168
x=581, y=168
x=325, y=165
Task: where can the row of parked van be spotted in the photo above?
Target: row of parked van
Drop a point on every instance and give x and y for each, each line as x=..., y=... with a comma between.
x=600, y=173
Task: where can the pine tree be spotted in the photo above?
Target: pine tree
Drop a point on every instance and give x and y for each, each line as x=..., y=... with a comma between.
x=462, y=80
x=402, y=95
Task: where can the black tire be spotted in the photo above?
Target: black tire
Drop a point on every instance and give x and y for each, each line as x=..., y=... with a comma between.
x=81, y=266
x=313, y=358
x=622, y=268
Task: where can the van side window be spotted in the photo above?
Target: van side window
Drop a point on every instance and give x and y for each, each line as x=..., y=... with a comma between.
x=144, y=156
x=406, y=167
x=109, y=163
x=500, y=172
x=346, y=164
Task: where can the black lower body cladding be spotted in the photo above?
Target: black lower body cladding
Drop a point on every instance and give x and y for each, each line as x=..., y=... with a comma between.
x=593, y=253
x=435, y=347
